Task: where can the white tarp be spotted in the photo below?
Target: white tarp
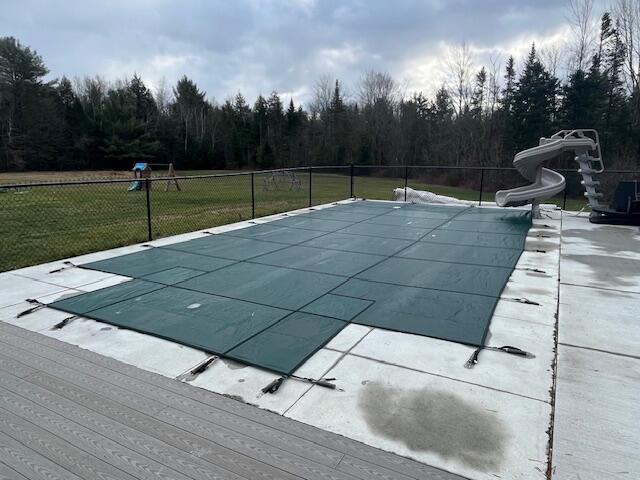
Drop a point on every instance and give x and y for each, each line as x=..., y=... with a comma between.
x=421, y=196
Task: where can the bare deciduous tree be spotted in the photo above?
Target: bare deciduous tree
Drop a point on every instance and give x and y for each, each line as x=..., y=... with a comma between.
x=459, y=66
x=322, y=93
x=162, y=96
x=551, y=57
x=494, y=83
x=627, y=13
x=379, y=87
x=583, y=27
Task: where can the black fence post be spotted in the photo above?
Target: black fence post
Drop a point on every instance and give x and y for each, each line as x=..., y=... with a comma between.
x=351, y=181
x=406, y=180
x=481, y=186
x=564, y=197
x=147, y=187
x=253, y=196
x=310, y=175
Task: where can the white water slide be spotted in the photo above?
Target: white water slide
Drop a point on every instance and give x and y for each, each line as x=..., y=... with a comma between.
x=545, y=183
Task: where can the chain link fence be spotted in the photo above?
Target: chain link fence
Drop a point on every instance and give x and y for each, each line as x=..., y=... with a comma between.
x=42, y=222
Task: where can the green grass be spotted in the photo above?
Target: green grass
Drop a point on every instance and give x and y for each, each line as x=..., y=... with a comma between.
x=42, y=224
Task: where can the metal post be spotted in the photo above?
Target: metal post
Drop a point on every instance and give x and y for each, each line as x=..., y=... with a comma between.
x=406, y=176
x=351, y=187
x=310, y=173
x=147, y=187
x=564, y=198
x=481, y=186
x=253, y=196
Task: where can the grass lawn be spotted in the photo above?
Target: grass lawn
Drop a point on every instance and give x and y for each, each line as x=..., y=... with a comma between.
x=41, y=224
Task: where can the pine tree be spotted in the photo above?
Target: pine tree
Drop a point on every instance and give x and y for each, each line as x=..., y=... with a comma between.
x=127, y=136
x=534, y=103
x=506, y=101
x=144, y=104
x=617, y=111
x=478, y=97
x=275, y=120
x=25, y=104
x=190, y=105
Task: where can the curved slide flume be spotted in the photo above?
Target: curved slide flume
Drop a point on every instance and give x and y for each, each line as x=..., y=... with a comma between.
x=545, y=183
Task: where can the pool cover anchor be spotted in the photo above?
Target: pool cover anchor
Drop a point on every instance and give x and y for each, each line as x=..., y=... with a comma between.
x=191, y=374
x=67, y=264
x=274, y=386
x=38, y=305
x=473, y=359
x=524, y=300
x=64, y=322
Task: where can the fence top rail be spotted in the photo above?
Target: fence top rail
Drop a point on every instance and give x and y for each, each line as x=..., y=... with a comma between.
x=488, y=169
x=164, y=178
x=106, y=181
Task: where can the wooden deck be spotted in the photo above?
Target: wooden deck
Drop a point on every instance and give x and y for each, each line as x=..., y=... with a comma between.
x=68, y=413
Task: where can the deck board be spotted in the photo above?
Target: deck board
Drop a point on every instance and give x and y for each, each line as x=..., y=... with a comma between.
x=100, y=418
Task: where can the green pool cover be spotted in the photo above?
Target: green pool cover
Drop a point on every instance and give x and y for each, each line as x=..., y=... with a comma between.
x=271, y=295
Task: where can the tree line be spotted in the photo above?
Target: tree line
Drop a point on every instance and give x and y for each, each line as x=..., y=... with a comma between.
x=479, y=117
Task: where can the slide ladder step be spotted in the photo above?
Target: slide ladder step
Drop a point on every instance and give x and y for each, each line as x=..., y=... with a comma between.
x=593, y=194
x=590, y=183
x=589, y=163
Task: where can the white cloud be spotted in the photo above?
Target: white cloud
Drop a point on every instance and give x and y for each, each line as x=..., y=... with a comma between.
x=257, y=46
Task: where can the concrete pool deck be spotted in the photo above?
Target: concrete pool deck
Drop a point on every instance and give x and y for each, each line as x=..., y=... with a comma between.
x=570, y=301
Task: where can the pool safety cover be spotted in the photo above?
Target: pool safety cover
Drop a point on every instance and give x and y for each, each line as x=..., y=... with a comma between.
x=271, y=295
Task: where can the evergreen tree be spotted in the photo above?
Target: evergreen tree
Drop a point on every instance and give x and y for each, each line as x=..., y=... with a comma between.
x=534, y=103
x=25, y=106
x=128, y=139
x=478, y=97
x=190, y=106
x=275, y=120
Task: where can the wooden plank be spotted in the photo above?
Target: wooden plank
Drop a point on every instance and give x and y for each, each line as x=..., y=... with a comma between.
x=309, y=433
x=232, y=422
x=82, y=380
x=14, y=367
x=122, y=435
x=7, y=473
x=291, y=463
x=61, y=452
x=30, y=464
x=368, y=471
x=181, y=439
x=243, y=444
x=82, y=439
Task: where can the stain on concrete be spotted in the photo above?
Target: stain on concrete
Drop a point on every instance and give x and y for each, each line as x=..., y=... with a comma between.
x=435, y=421
x=542, y=245
x=608, y=239
x=233, y=365
x=537, y=291
x=610, y=271
x=538, y=274
x=236, y=397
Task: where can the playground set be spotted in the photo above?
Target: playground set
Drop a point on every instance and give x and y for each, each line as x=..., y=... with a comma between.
x=142, y=171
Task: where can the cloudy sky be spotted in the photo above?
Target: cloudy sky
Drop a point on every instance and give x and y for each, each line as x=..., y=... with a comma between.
x=263, y=45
